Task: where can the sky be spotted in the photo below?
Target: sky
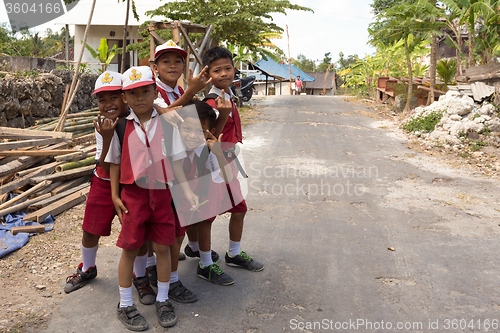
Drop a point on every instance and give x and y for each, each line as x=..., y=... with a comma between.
x=335, y=26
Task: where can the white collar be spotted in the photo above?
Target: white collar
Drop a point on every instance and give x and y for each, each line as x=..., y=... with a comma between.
x=168, y=88
x=133, y=116
x=197, y=150
x=219, y=92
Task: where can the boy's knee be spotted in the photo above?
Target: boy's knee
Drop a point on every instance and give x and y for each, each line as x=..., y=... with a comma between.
x=161, y=250
x=90, y=240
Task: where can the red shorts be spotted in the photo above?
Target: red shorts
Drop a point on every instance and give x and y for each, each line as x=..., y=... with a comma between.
x=235, y=196
x=99, y=209
x=141, y=223
x=180, y=231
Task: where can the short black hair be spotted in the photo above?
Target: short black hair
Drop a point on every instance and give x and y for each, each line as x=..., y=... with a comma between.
x=216, y=53
x=204, y=112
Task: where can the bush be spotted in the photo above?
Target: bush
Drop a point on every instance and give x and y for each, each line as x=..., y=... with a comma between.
x=423, y=123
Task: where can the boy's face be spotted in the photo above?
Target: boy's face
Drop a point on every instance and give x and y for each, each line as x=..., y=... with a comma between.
x=170, y=67
x=111, y=104
x=222, y=73
x=193, y=132
x=140, y=99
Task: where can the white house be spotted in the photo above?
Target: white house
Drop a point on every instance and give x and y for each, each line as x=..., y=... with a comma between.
x=108, y=22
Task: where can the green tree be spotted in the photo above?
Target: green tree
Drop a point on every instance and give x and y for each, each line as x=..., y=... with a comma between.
x=410, y=22
x=344, y=63
x=327, y=60
x=239, y=22
x=379, y=6
x=103, y=54
x=307, y=65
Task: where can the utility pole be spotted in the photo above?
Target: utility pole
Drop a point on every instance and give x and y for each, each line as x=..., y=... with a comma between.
x=289, y=60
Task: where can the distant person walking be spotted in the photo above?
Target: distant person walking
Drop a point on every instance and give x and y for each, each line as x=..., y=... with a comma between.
x=298, y=85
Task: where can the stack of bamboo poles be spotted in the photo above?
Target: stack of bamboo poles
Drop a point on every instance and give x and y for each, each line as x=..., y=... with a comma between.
x=49, y=171
x=79, y=124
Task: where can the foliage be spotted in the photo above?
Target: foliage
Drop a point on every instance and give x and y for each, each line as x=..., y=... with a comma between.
x=446, y=70
x=236, y=21
x=379, y=6
x=477, y=145
x=423, y=124
x=102, y=54
x=344, y=63
x=327, y=60
x=306, y=65
x=419, y=70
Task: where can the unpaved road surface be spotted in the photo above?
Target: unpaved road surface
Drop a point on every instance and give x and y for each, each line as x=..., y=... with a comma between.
x=357, y=233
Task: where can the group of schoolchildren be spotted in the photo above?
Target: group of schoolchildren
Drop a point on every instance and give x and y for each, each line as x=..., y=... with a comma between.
x=153, y=137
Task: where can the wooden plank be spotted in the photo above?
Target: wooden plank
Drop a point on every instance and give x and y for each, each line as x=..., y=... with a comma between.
x=69, y=157
x=188, y=41
x=157, y=37
x=49, y=168
x=18, y=165
x=69, y=184
x=85, y=138
x=23, y=205
x=58, y=206
x=52, y=198
x=28, y=229
x=27, y=133
x=65, y=175
x=24, y=195
x=37, y=152
x=22, y=137
x=28, y=143
x=50, y=188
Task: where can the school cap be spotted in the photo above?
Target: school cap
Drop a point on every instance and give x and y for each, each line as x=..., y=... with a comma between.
x=135, y=77
x=108, y=81
x=168, y=47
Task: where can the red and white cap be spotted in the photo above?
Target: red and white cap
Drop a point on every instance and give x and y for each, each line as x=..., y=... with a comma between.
x=108, y=81
x=139, y=76
x=169, y=46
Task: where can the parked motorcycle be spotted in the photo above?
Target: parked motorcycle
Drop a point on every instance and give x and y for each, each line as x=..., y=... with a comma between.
x=243, y=87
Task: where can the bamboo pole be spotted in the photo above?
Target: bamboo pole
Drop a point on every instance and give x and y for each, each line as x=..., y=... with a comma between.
x=74, y=165
x=23, y=205
x=25, y=194
x=74, y=84
x=125, y=28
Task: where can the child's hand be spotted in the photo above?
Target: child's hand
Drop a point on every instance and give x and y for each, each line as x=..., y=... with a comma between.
x=192, y=198
x=214, y=144
x=198, y=82
x=172, y=117
x=120, y=208
x=105, y=128
x=224, y=106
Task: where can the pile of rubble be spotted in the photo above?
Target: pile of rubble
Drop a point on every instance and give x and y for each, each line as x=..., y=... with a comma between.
x=461, y=116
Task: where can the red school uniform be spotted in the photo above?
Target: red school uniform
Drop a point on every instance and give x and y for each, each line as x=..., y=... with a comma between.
x=99, y=208
x=144, y=171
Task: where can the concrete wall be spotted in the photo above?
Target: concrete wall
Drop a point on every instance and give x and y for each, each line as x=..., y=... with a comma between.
x=23, y=100
x=95, y=34
x=260, y=86
x=22, y=64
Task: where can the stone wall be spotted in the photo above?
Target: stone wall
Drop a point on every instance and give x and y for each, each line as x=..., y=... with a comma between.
x=23, y=100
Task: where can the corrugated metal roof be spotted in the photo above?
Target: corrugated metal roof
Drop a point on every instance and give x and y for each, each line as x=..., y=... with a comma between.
x=280, y=71
x=478, y=90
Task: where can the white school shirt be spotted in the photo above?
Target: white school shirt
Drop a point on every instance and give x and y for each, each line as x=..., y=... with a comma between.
x=115, y=151
x=160, y=101
x=211, y=163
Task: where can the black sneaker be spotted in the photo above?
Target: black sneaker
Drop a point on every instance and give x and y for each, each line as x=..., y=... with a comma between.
x=181, y=294
x=243, y=260
x=131, y=318
x=182, y=256
x=166, y=314
x=214, y=274
x=196, y=254
x=78, y=280
x=147, y=295
x=152, y=275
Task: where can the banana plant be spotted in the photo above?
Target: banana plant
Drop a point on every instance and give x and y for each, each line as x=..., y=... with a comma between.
x=102, y=54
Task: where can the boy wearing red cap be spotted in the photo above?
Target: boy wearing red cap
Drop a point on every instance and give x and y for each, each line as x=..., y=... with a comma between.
x=140, y=165
x=99, y=209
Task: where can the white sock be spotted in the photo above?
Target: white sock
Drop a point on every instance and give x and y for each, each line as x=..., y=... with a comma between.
x=151, y=261
x=194, y=246
x=162, y=295
x=89, y=255
x=140, y=266
x=174, y=277
x=206, y=258
x=234, y=248
x=126, y=297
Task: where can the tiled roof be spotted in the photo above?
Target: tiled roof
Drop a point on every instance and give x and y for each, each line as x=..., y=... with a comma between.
x=62, y=55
